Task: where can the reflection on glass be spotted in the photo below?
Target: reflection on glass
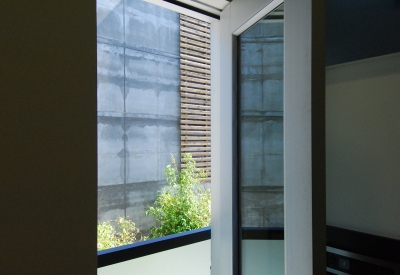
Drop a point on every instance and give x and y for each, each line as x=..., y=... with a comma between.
x=261, y=144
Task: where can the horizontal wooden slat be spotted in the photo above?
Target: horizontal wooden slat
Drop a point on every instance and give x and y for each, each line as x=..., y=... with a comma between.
x=194, y=69
x=194, y=154
x=191, y=127
x=201, y=159
x=195, y=32
x=195, y=138
x=196, y=101
x=195, y=26
x=194, y=21
x=190, y=95
x=194, y=85
x=195, y=117
x=199, y=112
x=187, y=92
x=195, y=91
x=195, y=59
x=195, y=64
x=199, y=143
x=195, y=37
x=195, y=149
x=198, y=164
x=195, y=79
x=194, y=43
x=195, y=122
x=196, y=133
x=195, y=48
x=200, y=102
x=192, y=106
x=195, y=74
x=205, y=56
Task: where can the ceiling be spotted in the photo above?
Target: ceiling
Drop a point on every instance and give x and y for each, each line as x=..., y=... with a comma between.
x=206, y=10
x=217, y=4
x=211, y=6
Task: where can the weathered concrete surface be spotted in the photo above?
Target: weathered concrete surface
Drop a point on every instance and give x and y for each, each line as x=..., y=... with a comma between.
x=138, y=106
x=110, y=150
x=262, y=206
x=110, y=78
x=110, y=19
x=139, y=197
x=152, y=84
x=111, y=201
x=150, y=26
x=261, y=112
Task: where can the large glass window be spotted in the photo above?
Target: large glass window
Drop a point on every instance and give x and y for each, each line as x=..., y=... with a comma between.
x=139, y=117
x=261, y=145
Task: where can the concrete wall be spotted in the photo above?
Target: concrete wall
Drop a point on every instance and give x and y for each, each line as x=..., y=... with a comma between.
x=261, y=123
x=138, y=105
x=194, y=259
x=363, y=152
x=48, y=137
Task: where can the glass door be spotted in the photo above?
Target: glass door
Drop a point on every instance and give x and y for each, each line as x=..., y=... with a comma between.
x=260, y=150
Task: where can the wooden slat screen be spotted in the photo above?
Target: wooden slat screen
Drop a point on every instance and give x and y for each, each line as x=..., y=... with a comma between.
x=195, y=64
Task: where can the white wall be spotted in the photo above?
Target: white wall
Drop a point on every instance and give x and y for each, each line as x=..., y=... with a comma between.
x=194, y=259
x=363, y=150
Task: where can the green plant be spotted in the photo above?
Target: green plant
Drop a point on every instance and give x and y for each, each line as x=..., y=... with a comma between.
x=108, y=237
x=183, y=205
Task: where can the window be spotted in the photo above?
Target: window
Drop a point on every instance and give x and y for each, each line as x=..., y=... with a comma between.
x=149, y=107
x=260, y=120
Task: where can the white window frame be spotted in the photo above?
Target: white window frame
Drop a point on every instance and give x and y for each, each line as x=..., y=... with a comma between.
x=304, y=131
x=304, y=134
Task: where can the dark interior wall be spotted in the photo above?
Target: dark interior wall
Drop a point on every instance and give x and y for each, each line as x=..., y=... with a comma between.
x=48, y=137
x=361, y=29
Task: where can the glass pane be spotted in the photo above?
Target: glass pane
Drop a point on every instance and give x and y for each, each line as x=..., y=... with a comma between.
x=139, y=125
x=261, y=145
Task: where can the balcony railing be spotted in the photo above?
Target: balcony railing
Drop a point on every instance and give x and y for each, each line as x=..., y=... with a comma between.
x=183, y=253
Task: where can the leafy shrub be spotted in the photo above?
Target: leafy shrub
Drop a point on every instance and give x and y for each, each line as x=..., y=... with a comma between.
x=108, y=237
x=183, y=205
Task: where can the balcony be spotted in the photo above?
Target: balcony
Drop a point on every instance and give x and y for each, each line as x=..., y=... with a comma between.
x=190, y=253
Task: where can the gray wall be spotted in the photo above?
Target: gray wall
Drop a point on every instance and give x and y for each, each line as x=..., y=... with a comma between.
x=261, y=123
x=362, y=145
x=138, y=105
x=48, y=137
